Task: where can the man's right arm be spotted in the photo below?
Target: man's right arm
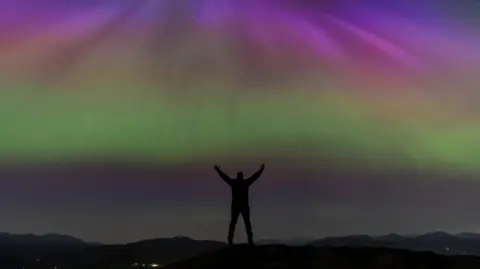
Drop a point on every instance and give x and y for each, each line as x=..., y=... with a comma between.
x=224, y=176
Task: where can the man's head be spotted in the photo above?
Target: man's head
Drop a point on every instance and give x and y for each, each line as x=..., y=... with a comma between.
x=239, y=175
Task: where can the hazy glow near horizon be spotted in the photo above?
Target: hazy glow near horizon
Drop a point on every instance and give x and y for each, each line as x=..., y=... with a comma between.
x=384, y=85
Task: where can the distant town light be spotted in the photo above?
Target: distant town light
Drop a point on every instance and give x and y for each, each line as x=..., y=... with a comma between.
x=155, y=265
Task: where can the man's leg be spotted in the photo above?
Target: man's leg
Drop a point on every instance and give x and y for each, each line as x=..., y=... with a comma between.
x=248, y=224
x=234, y=213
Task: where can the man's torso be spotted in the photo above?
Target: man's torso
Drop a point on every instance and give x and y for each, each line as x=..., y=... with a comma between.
x=239, y=193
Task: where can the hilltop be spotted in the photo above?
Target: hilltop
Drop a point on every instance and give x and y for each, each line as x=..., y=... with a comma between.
x=278, y=256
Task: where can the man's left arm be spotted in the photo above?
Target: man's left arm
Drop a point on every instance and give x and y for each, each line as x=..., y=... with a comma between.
x=255, y=176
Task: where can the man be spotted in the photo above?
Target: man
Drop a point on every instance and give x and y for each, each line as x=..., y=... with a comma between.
x=240, y=203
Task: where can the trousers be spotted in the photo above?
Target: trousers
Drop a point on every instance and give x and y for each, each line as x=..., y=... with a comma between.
x=235, y=211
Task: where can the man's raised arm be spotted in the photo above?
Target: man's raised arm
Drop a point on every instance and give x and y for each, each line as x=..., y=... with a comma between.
x=255, y=176
x=223, y=175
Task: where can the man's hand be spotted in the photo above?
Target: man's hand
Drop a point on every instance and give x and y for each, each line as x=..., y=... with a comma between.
x=216, y=167
x=262, y=166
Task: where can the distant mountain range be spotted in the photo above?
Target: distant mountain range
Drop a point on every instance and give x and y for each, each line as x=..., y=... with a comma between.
x=34, y=246
x=438, y=242
x=300, y=241
x=31, y=239
x=70, y=252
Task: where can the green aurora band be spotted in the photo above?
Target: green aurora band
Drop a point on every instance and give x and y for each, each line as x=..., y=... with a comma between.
x=56, y=127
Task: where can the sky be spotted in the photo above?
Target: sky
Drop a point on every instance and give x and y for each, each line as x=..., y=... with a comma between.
x=113, y=113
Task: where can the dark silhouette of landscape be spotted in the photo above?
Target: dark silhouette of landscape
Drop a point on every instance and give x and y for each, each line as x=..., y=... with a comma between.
x=280, y=256
x=431, y=250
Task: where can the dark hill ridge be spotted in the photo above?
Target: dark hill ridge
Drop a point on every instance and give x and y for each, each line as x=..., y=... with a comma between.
x=162, y=251
x=278, y=256
x=71, y=253
x=154, y=251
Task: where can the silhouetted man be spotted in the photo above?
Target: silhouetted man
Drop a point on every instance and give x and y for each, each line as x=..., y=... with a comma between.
x=240, y=203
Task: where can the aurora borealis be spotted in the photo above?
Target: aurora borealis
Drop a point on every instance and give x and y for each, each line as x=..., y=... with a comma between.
x=384, y=94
